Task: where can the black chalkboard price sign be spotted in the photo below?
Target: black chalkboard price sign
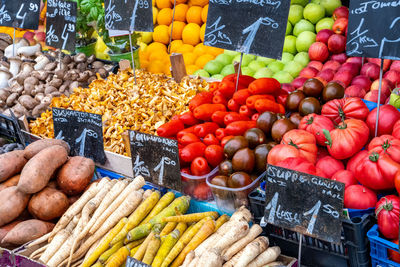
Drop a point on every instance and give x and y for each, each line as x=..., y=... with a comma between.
x=156, y=159
x=251, y=27
x=374, y=29
x=304, y=203
x=131, y=262
x=22, y=14
x=60, y=24
x=82, y=131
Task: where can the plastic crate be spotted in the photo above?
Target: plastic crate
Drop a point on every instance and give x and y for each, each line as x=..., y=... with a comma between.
x=8, y=129
x=191, y=182
x=353, y=249
x=379, y=249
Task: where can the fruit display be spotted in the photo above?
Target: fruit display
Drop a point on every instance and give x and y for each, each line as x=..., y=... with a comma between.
x=30, y=201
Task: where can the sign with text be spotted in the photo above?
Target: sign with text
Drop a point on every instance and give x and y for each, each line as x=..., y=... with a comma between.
x=82, y=131
x=22, y=14
x=374, y=29
x=61, y=24
x=156, y=159
x=131, y=262
x=248, y=26
x=128, y=15
x=304, y=203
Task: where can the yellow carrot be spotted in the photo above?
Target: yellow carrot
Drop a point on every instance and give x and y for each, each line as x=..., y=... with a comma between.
x=181, y=227
x=108, y=253
x=221, y=220
x=118, y=257
x=164, y=201
x=194, y=217
x=168, y=228
x=151, y=249
x=167, y=244
x=133, y=251
x=97, y=264
x=142, y=248
x=135, y=243
x=206, y=230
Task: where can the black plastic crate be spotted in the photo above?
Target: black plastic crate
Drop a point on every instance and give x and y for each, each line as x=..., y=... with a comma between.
x=353, y=250
x=9, y=129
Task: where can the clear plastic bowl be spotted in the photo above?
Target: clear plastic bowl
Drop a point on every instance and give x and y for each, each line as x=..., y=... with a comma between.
x=230, y=199
x=196, y=186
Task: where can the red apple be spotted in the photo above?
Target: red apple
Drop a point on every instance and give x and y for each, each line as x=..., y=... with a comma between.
x=340, y=12
x=315, y=64
x=373, y=96
x=370, y=70
x=40, y=36
x=344, y=76
x=387, y=86
x=362, y=81
x=340, y=25
x=30, y=37
x=322, y=80
x=353, y=68
x=323, y=35
x=339, y=82
x=341, y=58
x=377, y=61
x=298, y=82
x=318, y=51
x=326, y=74
x=395, y=65
x=337, y=43
x=393, y=76
x=355, y=91
x=355, y=60
x=288, y=87
x=332, y=64
x=308, y=72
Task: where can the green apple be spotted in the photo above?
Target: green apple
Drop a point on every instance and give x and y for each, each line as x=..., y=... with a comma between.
x=330, y=6
x=286, y=57
x=302, y=58
x=293, y=68
x=283, y=77
x=290, y=44
x=247, y=71
x=325, y=23
x=304, y=41
x=202, y=73
x=301, y=26
x=224, y=59
x=256, y=65
x=263, y=73
x=314, y=12
x=228, y=69
x=246, y=59
x=231, y=53
x=213, y=67
x=289, y=28
x=217, y=76
x=299, y=2
x=318, y=2
x=265, y=60
x=295, y=14
x=276, y=66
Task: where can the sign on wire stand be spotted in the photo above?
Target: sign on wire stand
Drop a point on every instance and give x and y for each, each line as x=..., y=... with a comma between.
x=22, y=14
x=156, y=159
x=251, y=27
x=61, y=24
x=304, y=203
x=82, y=131
x=374, y=29
x=131, y=262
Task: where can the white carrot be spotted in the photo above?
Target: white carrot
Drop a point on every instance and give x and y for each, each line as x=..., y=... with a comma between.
x=61, y=253
x=147, y=193
x=54, y=245
x=236, y=232
x=240, y=214
x=211, y=258
x=252, y=250
x=189, y=257
x=228, y=253
x=38, y=251
x=268, y=256
x=193, y=263
x=38, y=241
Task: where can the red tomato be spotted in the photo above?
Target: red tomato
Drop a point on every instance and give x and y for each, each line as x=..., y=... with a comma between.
x=346, y=177
x=202, y=191
x=386, y=144
x=281, y=152
x=396, y=130
x=298, y=164
x=377, y=171
x=192, y=151
x=314, y=124
x=330, y=165
x=210, y=139
x=188, y=138
x=322, y=152
x=321, y=173
x=214, y=155
x=397, y=182
x=387, y=212
x=199, y=166
x=347, y=139
x=359, y=197
x=388, y=116
x=187, y=171
x=393, y=255
x=304, y=142
x=345, y=108
x=355, y=160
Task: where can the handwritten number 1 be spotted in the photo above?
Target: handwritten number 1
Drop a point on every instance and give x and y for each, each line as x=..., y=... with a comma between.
x=314, y=213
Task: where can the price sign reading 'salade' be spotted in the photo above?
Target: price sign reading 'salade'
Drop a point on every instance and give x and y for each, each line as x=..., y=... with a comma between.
x=248, y=26
x=304, y=203
x=82, y=131
x=22, y=14
x=156, y=159
x=374, y=29
x=60, y=24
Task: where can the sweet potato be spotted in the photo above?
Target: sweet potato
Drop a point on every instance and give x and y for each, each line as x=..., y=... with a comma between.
x=34, y=148
x=39, y=169
x=4, y=231
x=12, y=204
x=27, y=231
x=11, y=163
x=10, y=182
x=48, y=204
x=75, y=175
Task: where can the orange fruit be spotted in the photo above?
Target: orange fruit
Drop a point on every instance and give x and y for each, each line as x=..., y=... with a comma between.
x=144, y=54
x=193, y=15
x=180, y=12
x=178, y=2
x=191, y=69
x=175, y=45
x=161, y=34
x=202, y=32
x=215, y=51
x=191, y=34
x=185, y=48
x=164, y=17
x=158, y=55
x=144, y=64
x=156, y=66
x=198, y=2
x=177, y=29
x=204, y=14
x=200, y=49
x=167, y=68
x=163, y=3
x=155, y=46
x=189, y=58
x=202, y=60
x=155, y=13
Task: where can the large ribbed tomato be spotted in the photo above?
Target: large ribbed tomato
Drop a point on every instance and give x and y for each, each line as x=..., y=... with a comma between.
x=359, y=197
x=304, y=141
x=345, y=108
x=386, y=144
x=387, y=211
x=298, y=164
x=314, y=124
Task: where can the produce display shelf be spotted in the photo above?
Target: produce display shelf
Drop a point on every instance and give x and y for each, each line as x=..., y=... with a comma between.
x=379, y=249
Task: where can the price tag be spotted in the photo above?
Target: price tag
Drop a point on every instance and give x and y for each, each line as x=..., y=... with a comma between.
x=22, y=14
x=251, y=26
x=304, y=203
x=82, y=131
x=60, y=24
x=156, y=159
x=131, y=262
x=374, y=29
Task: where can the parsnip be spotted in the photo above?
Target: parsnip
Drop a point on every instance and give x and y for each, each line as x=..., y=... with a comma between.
x=211, y=258
x=269, y=255
x=54, y=245
x=252, y=250
x=236, y=232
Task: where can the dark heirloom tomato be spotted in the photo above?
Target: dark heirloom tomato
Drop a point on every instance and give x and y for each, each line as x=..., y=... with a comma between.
x=386, y=144
x=309, y=105
x=346, y=108
x=296, y=118
x=332, y=90
x=314, y=124
x=266, y=120
x=280, y=127
x=293, y=100
x=359, y=197
x=313, y=87
x=387, y=213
